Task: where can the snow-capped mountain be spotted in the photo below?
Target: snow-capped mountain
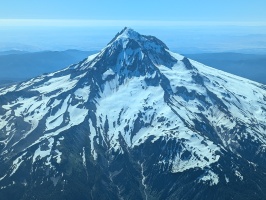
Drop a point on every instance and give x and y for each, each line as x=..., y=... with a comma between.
x=134, y=121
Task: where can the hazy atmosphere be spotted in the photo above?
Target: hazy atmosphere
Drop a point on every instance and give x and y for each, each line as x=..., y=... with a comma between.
x=185, y=26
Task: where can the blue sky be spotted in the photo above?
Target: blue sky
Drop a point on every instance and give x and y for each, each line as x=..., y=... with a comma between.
x=145, y=10
x=184, y=25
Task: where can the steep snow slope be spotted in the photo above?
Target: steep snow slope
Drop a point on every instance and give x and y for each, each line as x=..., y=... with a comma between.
x=133, y=99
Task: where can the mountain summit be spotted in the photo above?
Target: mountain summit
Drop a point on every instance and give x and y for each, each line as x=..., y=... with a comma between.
x=134, y=121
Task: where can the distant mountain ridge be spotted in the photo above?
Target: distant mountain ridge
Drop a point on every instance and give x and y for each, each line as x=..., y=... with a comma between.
x=20, y=65
x=245, y=65
x=133, y=121
x=23, y=65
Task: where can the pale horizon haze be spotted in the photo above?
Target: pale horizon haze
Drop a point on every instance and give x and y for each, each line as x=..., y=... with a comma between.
x=186, y=26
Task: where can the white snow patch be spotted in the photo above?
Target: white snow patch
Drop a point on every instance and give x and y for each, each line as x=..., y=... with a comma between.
x=226, y=179
x=210, y=177
x=143, y=181
x=109, y=72
x=56, y=120
x=5, y=90
x=61, y=138
x=175, y=55
x=77, y=115
x=92, y=135
x=85, y=65
x=83, y=157
x=58, y=156
x=83, y=93
x=2, y=177
x=237, y=173
x=63, y=83
x=16, y=163
x=39, y=154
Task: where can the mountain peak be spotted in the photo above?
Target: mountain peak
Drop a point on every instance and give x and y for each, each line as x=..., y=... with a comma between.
x=129, y=33
x=134, y=117
x=125, y=33
x=143, y=40
x=130, y=51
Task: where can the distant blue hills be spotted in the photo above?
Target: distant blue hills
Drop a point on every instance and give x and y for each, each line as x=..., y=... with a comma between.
x=17, y=66
x=251, y=66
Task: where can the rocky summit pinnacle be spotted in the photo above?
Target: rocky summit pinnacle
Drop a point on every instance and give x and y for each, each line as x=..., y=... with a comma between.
x=146, y=42
x=134, y=121
x=128, y=33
